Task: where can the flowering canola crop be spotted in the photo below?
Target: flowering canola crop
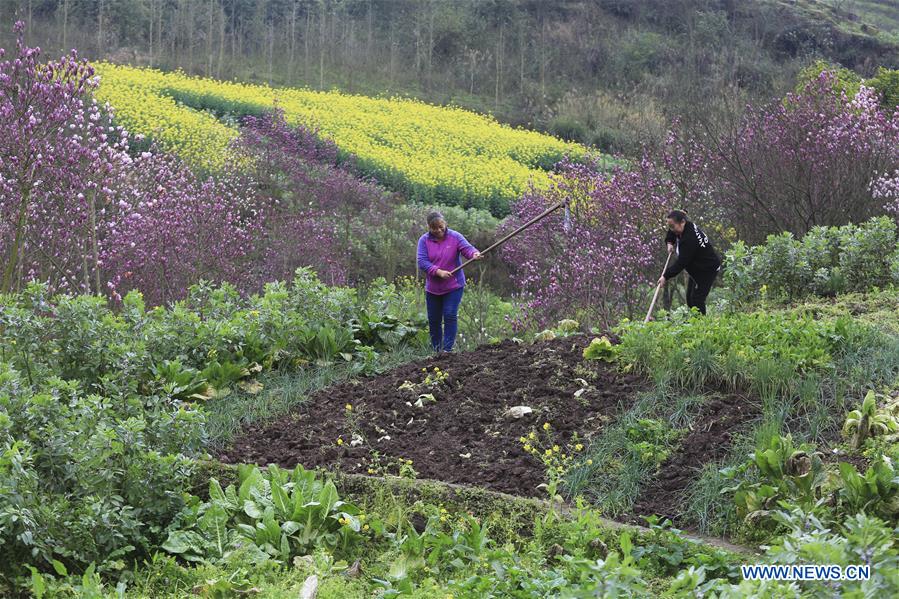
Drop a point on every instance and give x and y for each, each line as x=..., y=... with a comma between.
x=432, y=153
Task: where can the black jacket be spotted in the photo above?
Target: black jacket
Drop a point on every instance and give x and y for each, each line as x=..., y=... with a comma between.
x=695, y=253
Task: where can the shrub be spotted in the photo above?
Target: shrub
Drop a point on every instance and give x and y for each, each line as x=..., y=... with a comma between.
x=827, y=261
x=86, y=478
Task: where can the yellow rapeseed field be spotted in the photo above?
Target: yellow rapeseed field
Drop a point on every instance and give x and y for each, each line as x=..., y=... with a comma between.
x=432, y=153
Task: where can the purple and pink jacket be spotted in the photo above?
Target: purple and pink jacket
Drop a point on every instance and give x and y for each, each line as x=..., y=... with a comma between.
x=434, y=254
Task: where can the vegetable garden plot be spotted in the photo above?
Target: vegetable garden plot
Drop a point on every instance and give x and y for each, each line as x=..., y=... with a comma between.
x=709, y=440
x=449, y=417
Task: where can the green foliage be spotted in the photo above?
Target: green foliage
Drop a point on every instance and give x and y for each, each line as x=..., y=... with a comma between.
x=600, y=349
x=214, y=336
x=846, y=80
x=97, y=415
x=569, y=129
x=875, y=493
x=731, y=349
x=270, y=515
x=222, y=375
x=784, y=473
x=859, y=539
x=868, y=421
x=179, y=382
x=826, y=261
x=325, y=343
x=650, y=440
x=886, y=82
x=86, y=478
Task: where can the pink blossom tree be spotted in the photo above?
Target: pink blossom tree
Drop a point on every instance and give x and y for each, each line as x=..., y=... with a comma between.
x=171, y=229
x=791, y=165
x=59, y=154
x=595, y=263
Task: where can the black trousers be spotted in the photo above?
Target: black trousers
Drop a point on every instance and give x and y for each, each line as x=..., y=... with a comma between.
x=698, y=287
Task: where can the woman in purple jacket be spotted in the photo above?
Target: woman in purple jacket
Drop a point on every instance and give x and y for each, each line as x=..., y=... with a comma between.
x=438, y=254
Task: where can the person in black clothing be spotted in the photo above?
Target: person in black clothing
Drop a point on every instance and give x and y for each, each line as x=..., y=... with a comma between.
x=694, y=254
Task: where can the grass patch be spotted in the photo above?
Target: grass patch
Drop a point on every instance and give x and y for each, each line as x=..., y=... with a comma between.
x=628, y=451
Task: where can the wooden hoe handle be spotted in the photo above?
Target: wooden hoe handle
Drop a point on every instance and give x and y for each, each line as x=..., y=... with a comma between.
x=536, y=219
x=658, y=287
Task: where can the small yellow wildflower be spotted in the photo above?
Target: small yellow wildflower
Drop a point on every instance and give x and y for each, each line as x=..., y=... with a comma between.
x=365, y=527
x=589, y=462
x=546, y=426
x=527, y=447
x=549, y=452
x=556, y=449
x=339, y=441
x=532, y=435
x=578, y=447
x=349, y=407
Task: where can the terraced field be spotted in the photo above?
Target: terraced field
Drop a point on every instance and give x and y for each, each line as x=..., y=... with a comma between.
x=436, y=154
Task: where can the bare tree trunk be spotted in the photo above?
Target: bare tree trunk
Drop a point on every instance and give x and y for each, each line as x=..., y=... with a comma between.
x=293, y=42
x=349, y=52
x=95, y=252
x=306, y=47
x=150, y=49
x=542, y=61
x=430, y=42
x=368, y=42
x=393, y=49
x=209, y=26
x=521, y=45
x=19, y=240
x=218, y=70
x=271, y=51
x=321, y=50
x=99, y=28
x=173, y=31
x=190, y=35
x=65, y=25
x=418, y=43
x=499, y=67
x=159, y=47
x=234, y=34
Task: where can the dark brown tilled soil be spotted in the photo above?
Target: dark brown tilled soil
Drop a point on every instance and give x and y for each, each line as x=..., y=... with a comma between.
x=462, y=438
x=708, y=441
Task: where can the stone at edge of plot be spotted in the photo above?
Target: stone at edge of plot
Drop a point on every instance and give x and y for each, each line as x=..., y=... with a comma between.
x=518, y=412
x=310, y=588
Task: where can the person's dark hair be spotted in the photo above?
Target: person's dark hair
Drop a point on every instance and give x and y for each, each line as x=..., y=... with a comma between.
x=678, y=216
x=434, y=216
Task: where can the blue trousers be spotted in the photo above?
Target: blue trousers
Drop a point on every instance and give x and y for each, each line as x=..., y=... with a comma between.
x=443, y=318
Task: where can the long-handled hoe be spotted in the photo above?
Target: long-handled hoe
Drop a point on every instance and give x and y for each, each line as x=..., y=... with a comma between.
x=658, y=288
x=534, y=220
